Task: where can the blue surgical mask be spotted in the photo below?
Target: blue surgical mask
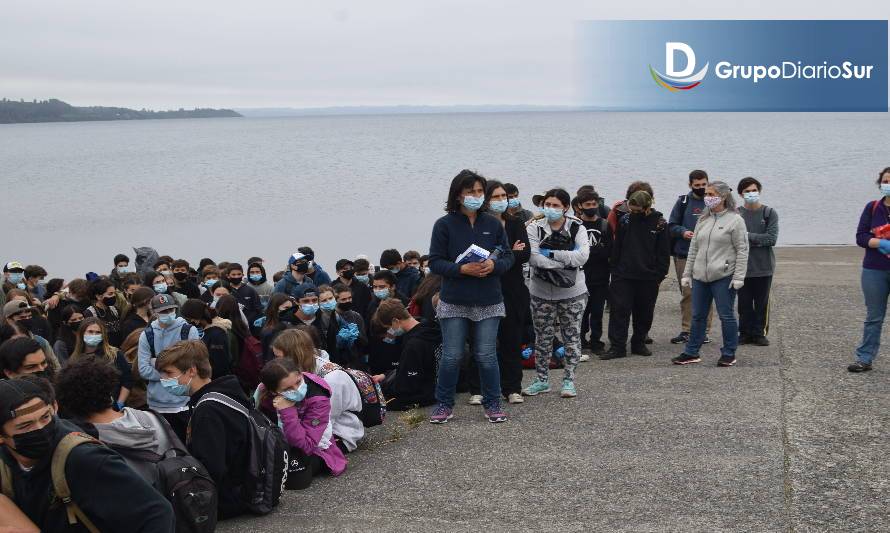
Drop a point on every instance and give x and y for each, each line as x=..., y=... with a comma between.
x=473, y=203
x=552, y=214
x=123, y=270
x=396, y=332
x=174, y=387
x=167, y=318
x=364, y=278
x=210, y=282
x=426, y=270
x=21, y=286
x=885, y=188
x=330, y=305
x=751, y=197
x=92, y=340
x=16, y=277
x=160, y=288
x=381, y=294
x=298, y=395
x=309, y=309
x=256, y=278
x=395, y=270
x=498, y=206
x=513, y=203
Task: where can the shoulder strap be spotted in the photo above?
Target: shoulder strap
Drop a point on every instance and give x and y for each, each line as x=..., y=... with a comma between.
x=60, y=484
x=184, y=331
x=874, y=207
x=225, y=400
x=150, y=338
x=767, y=211
x=6, y=481
x=573, y=229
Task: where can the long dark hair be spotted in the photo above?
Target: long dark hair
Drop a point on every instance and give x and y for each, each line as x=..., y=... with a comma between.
x=489, y=190
x=227, y=307
x=429, y=286
x=275, y=302
x=464, y=180
x=273, y=372
x=139, y=298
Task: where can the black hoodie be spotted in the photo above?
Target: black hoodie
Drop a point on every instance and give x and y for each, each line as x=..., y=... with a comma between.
x=642, y=249
x=414, y=382
x=219, y=437
x=110, y=494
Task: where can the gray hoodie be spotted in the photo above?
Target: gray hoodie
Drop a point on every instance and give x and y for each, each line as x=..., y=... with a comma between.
x=138, y=430
x=158, y=398
x=719, y=248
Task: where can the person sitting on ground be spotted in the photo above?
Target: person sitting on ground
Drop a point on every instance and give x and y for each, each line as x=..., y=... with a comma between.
x=422, y=304
x=412, y=260
x=218, y=437
x=303, y=403
x=92, y=342
x=214, y=333
x=279, y=316
x=407, y=278
x=361, y=292
x=105, y=492
x=363, y=271
x=346, y=339
x=307, y=311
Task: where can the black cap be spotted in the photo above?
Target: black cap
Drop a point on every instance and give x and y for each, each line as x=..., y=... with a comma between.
x=14, y=393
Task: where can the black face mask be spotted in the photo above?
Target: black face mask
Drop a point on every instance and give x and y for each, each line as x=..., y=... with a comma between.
x=591, y=212
x=344, y=307
x=302, y=268
x=75, y=325
x=348, y=274
x=235, y=281
x=700, y=192
x=288, y=315
x=45, y=374
x=110, y=301
x=180, y=276
x=26, y=323
x=37, y=444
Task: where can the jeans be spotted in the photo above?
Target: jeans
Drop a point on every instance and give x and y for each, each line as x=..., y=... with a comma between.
x=455, y=332
x=876, y=289
x=723, y=296
x=686, y=299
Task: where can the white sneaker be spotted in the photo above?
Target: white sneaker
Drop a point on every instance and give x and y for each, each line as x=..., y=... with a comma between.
x=515, y=397
x=475, y=399
x=584, y=358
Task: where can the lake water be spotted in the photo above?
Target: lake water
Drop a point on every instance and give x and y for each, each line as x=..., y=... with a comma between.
x=76, y=194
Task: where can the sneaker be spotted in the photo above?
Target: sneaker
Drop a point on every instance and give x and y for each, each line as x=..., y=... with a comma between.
x=584, y=358
x=598, y=348
x=707, y=340
x=641, y=350
x=568, y=389
x=537, y=387
x=495, y=414
x=648, y=340
x=441, y=414
x=613, y=353
x=682, y=338
x=726, y=360
x=859, y=367
x=760, y=340
x=475, y=399
x=685, y=359
x=515, y=397
x=745, y=339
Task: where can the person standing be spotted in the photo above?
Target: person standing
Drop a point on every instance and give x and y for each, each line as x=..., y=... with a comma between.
x=875, y=274
x=514, y=204
x=596, y=269
x=762, y=223
x=715, y=270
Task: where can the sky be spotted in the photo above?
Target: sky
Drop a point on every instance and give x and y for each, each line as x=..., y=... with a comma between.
x=200, y=53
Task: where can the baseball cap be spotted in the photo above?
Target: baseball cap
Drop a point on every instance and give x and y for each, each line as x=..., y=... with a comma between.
x=305, y=289
x=13, y=265
x=14, y=393
x=14, y=307
x=298, y=256
x=640, y=199
x=162, y=302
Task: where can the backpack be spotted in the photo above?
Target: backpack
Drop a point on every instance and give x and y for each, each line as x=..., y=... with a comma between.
x=373, y=402
x=684, y=199
x=60, y=484
x=249, y=363
x=150, y=336
x=180, y=478
x=559, y=277
x=268, y=457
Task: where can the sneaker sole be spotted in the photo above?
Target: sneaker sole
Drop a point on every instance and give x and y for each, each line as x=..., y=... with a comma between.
x=568, y=394
x=721, y=363
x=440, y=420
x=518, y=400
x=496, y=419
x=688, y=362
x=526, y=393
x=471, y=402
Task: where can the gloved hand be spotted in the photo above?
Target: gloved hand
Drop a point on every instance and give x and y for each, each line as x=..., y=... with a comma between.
x=884, y=246
x=119, y=406
x=527, y=353
x=546, y=252
x=560, y=352
x=259, y=322
x=738, y=284
x=686, y=282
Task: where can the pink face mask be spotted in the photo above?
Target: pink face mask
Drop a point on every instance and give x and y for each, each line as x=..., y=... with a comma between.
x=712, y=201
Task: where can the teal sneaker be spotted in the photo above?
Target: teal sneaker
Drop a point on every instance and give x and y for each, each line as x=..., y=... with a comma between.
x=568, y=389
x=537, y=387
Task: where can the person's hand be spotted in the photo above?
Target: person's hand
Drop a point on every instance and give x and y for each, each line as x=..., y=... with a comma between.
x=471, y=269
x=686, y=282
x=377, y=378
x=884, y=246
x=546, y=252
x=53, y=302
x=281, y=403
x=519, y=246
x=487, y=268
x=738, y=284
x=688, y=235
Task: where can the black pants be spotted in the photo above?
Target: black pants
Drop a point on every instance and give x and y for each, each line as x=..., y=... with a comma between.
x=179, y=422
x=302, y=468
x=754, y=306
x=592, y=320
x=631, y=297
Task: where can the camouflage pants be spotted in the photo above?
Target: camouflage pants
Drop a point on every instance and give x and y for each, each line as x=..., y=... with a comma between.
x=547, y=315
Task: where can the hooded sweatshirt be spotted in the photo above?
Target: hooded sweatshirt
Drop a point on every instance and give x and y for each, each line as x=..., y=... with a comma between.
x=641, y=250
x=288, y=285
x=158, y=398
x=572, y=261
x=216, y=338
x=414, y=382
x=137, y=430
x=719, y=248
x=263, y=287
x=345, y=402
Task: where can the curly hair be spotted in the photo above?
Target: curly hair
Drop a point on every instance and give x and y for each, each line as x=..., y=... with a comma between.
x=84, y=387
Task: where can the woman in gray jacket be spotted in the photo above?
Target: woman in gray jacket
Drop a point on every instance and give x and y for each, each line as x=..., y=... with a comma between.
x=559, y=249
x=715, y=269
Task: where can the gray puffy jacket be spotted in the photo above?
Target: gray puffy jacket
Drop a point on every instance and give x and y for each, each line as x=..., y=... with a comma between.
x=719, y=248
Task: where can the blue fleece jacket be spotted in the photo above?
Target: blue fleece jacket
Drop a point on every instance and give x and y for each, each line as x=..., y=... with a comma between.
x=452, y=235
x=684, y=217
x=288, y=285
x=158, y=398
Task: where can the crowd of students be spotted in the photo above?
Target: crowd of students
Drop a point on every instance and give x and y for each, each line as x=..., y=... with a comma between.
x=208, y=361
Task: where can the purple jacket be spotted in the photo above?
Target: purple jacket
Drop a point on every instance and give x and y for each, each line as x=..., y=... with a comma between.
x=306, y=423
x=873, y=259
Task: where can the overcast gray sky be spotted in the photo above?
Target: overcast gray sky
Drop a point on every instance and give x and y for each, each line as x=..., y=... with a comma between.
x=219, y=53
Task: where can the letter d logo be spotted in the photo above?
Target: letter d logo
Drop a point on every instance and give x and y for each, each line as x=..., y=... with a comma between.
x=670, y=50
x=678, y=80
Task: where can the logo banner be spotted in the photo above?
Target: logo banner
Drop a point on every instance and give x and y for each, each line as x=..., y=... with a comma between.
x=734, y=65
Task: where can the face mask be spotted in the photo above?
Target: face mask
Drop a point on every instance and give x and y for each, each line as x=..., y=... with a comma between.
x=75, y=325
x=396, y=332
x=210, y=282
x=256, y=278
x=180, y=276
x=286, y=315
x=298, y=395
x=329, y=305
x=45, y=374
x=381, y=294
x=347, y=274
x=552, y=214
x=167, y=318
x=36, y=444
x=700, y=192
x=16, y=277
x=41, y=283
x=344, y=307
x=302, y=268
x=109, y=301
x=513, y=203
x=473, y=203
x=174, y=387
x=885, y=189
x=712, y=201
x=498, y=206
x=21, y=286
x=25, y=323
x=309, y=309
x=92, y=340
x=363, y=278
x=160, y=288
x=123, y=270
x=235, y=281
x=426, y=270
x=751, y=197
x=395, y=270
x=591, y=212
x=214, y=302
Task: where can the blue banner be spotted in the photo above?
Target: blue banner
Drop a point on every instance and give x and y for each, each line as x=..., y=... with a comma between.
x=734, y=65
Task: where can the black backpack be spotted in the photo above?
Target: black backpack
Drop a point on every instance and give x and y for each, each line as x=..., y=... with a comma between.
x=268, y=463
x=181, y=478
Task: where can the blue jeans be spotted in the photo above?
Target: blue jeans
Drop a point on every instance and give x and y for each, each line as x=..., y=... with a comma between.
x=875, y=288
x=455, y=332
x=723, y=295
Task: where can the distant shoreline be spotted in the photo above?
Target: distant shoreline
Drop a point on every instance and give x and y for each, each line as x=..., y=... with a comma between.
x=52, y=110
